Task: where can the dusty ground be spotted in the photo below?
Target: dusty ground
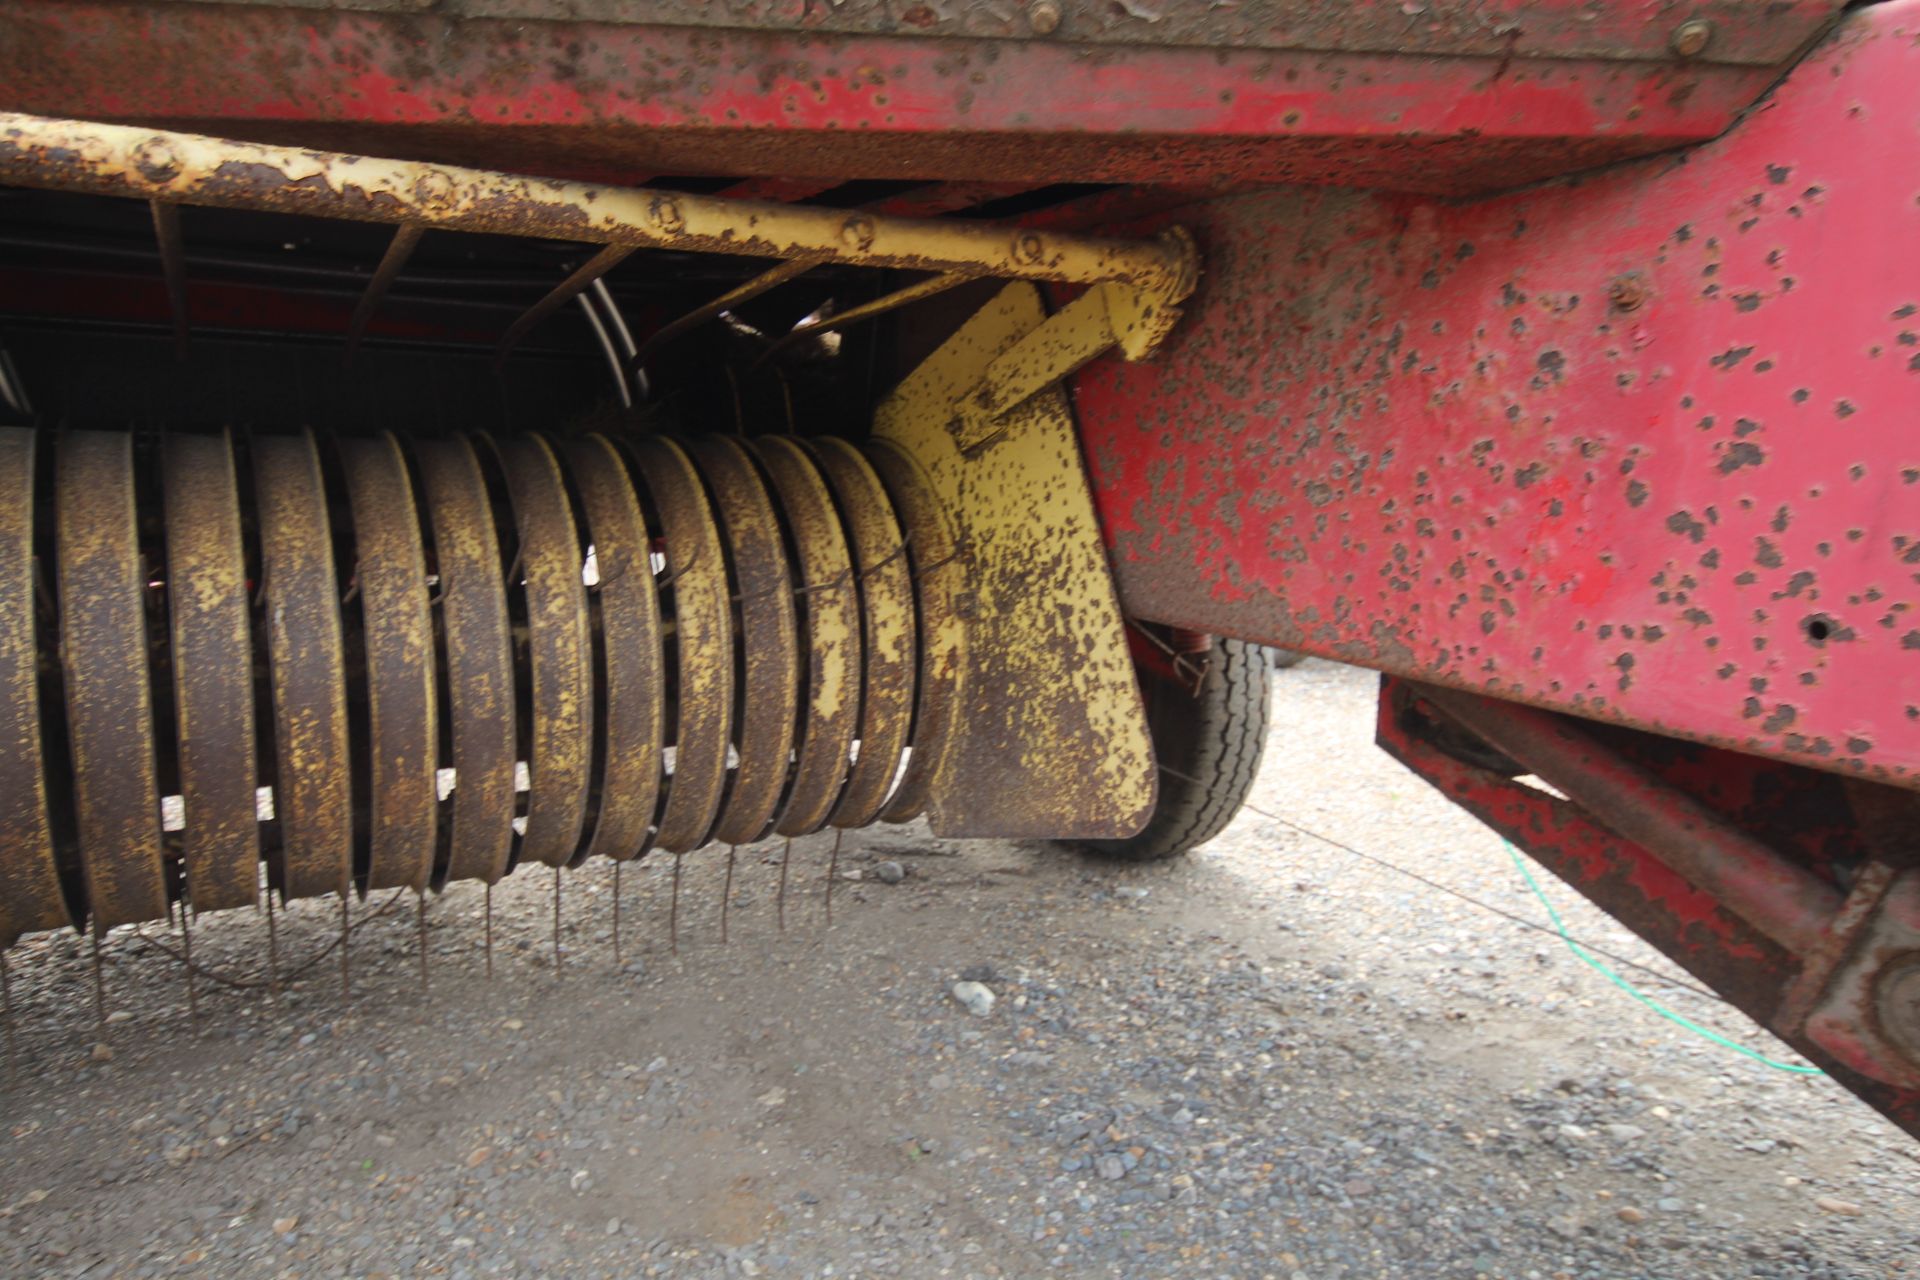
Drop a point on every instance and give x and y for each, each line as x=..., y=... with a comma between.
x=1273, y=1059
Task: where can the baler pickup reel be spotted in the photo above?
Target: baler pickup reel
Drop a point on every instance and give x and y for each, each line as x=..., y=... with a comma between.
x=396, y=662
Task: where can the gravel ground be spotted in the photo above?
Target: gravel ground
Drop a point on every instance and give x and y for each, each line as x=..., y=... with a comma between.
x=1270, y=1060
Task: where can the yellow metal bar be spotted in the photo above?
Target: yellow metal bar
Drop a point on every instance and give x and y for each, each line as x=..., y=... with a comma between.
x=184, y=168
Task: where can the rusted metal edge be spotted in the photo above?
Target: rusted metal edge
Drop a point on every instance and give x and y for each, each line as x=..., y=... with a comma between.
x=1788, y=904
x=185, y=168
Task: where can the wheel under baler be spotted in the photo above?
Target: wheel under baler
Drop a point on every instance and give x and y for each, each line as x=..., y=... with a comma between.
x=686, y=434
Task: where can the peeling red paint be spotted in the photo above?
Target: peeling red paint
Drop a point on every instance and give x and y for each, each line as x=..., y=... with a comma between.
x=1452, y=454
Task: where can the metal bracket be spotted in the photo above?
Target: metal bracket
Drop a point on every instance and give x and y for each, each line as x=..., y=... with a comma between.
x=1051, y=738
x=1863, y=1007
x=1107, y=315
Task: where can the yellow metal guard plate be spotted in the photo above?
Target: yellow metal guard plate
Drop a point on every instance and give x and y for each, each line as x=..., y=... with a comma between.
x=1052, y=740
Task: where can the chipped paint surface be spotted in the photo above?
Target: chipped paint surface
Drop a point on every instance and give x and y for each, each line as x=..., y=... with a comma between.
x=1052, y=739
x=212, y=661
x=561, y=744
x=631, y=651
x=478, y=657
x=397, y=635
x=1739, y=30
x=30, y=896
x=767, y=643
x=888, y=640
x=696, y=570
x=1637, y=447
x=615, y=101
x=828, y=601
x=312, y=786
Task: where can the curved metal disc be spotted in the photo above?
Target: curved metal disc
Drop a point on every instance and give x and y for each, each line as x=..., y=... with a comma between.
x=937, y=580
x=830, y=610
x=30, y=896
x=402, y=731
x=312, y=793
x=212, y=671
x=703, y=664
x=109, y=701
x=888, y=647
x=771, y=691
x=550, y=558
x=479, y=659
x=635, y=684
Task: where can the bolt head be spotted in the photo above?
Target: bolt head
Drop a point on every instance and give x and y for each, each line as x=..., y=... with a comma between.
x=1044, y=17
x=434, y=190
x=1896, y=999
x=156, y=160
x=857, y=234
x=665, y=214
x=1028, y=248
x=1690, y=39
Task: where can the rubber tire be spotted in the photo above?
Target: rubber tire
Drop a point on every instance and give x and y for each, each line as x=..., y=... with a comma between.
x=1209, y=746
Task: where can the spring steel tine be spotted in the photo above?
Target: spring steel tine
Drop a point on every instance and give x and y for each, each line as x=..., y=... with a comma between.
x=557, y=960
x=559, y=296
x=173, y=268
x=99, y=991
x=673, y=907
x=616, y=913
x=833, y=869
x=186, y=963
x=6, y=1016
x=726, y=896
x=346, y=964
x=273, y=948
x=489, y=944
x=786, y=856
x=420, y=919
x=405, y=237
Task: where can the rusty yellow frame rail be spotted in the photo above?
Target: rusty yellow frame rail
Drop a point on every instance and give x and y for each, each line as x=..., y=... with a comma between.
x=192, y=169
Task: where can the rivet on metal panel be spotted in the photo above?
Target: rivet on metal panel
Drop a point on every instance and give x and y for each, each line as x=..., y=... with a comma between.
x=1690, y=39
x=1627, y=292
x=1044, y=17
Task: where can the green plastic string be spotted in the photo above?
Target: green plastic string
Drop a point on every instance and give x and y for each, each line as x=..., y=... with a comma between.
x=1635, y=992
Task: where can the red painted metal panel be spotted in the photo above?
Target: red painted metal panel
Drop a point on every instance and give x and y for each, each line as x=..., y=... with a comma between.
x=1756, y=31
x=1640, y=447
x=1632, y=884
x=611, y=101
